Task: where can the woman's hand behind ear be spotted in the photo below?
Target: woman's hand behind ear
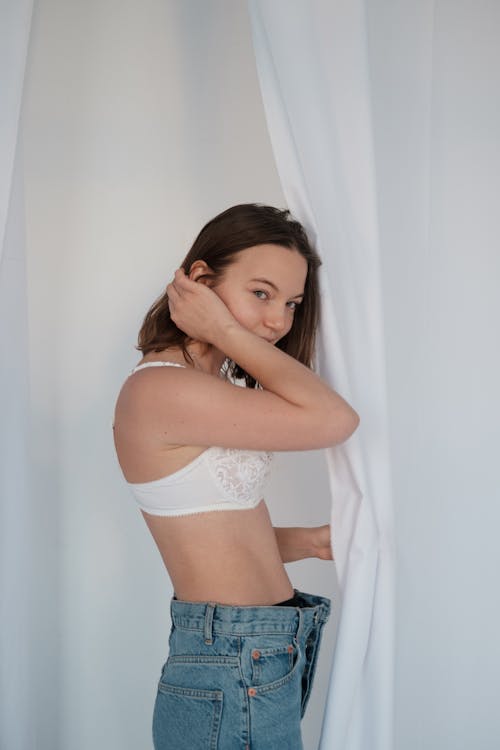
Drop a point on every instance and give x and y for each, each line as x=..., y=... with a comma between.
x=196, y=309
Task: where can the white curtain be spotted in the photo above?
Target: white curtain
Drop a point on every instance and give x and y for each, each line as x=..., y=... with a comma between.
x=385, y=120
x=18, y=611
x=312, y=66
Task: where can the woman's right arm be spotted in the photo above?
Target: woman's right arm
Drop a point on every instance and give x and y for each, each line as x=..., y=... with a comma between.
x=280, y=373
x=296, y=410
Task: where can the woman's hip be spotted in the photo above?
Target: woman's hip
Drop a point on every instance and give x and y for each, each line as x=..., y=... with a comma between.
x=232, y=670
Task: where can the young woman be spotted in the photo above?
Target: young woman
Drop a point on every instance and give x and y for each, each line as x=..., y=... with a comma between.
x=195, y=447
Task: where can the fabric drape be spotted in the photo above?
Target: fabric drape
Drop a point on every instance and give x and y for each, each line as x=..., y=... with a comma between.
x=313, y=72
x=17, y=595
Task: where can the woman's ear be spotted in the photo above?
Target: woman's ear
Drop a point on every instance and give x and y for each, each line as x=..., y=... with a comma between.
x=201, y=271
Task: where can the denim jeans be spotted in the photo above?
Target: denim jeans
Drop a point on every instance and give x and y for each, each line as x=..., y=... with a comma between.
x=238, y=678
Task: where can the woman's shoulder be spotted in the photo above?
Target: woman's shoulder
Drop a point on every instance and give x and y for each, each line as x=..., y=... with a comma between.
x=163, y=406
x=167, y=379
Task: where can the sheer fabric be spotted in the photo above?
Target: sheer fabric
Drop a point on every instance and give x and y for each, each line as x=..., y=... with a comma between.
x=312, y=67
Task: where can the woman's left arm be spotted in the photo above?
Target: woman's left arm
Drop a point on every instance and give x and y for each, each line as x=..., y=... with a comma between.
x=300, y=542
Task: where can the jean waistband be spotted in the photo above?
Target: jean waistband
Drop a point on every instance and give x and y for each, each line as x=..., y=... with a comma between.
x=246, y=620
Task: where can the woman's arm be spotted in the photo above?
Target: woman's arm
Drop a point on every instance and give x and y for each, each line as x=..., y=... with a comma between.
x=296, y=409
x=299, y=542
x=197, y=310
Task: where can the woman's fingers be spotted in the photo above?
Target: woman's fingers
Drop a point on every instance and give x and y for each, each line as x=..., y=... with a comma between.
x=175, y=286
x=322, y=542
x=171, y=292
x=181, y=283
x=195, y=308
x=182, y=279
x=187, y=308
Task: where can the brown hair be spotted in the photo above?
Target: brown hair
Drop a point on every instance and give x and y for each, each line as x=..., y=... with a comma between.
x=235, y=229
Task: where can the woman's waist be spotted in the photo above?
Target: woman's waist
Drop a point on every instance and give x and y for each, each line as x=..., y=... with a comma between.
x=244, y=619
x=238, y=576
x=225, y=556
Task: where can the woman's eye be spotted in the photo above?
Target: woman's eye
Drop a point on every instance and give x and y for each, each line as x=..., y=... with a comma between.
x=260, y=291
x=293, y=305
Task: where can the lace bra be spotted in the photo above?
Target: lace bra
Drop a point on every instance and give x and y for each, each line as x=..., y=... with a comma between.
x=217, y=479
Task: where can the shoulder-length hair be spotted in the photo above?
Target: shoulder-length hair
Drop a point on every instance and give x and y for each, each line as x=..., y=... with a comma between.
x=231, y=231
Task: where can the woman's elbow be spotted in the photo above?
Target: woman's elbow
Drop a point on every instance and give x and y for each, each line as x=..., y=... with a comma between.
x=343, y=427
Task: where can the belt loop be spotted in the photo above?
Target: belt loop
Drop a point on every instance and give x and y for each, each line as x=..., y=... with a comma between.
x=209, y=616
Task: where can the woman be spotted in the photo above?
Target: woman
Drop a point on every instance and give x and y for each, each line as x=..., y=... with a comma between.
x=195, y=448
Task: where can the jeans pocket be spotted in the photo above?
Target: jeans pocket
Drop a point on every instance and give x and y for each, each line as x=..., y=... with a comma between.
x=186, y=718
x=272, y=659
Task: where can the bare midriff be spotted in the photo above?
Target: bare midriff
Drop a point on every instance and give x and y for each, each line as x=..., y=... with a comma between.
x=229, y=556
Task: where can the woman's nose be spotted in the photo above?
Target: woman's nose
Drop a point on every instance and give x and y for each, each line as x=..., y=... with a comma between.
x=276, y=320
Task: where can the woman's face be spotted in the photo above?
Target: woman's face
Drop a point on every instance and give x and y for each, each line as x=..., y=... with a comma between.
x=263, y=287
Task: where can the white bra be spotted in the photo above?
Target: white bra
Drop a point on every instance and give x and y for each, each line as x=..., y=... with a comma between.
x=217, y=479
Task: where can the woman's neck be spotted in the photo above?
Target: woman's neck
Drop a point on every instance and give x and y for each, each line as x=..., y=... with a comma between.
x=208, y=359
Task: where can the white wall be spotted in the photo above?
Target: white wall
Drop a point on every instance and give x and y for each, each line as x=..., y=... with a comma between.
x=142, y=121
x=435, y=69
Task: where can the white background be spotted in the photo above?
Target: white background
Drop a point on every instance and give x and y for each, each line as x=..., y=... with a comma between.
x=141, y=122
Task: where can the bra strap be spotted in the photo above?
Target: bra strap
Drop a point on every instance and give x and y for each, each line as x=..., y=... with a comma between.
x=156, y=364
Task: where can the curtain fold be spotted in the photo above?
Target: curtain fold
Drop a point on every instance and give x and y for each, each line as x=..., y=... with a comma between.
x=312, y=66
x=18, y=715
x=15, y=22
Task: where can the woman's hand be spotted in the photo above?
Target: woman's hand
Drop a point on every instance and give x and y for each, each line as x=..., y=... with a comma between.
x=301, y=542
x=321, y=542
x=196, y=309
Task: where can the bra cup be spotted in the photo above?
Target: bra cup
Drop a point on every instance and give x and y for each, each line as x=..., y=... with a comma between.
x=240, y=474
x=218, y=477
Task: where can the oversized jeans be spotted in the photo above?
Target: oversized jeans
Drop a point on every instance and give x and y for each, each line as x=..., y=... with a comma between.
x=238, y=678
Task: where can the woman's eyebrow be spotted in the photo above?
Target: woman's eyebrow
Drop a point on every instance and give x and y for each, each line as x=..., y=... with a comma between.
x=266, y=281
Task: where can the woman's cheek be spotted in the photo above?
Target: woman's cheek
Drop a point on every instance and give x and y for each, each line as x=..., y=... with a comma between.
x=245, y=314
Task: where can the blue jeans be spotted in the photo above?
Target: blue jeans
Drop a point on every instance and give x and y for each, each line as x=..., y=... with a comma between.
x=238, y=678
